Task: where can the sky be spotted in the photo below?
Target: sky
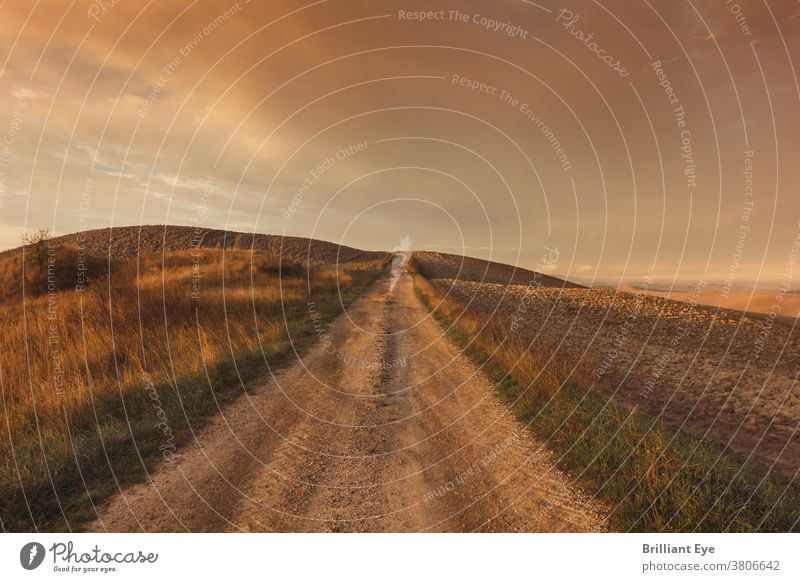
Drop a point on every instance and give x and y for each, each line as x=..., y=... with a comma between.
x=629, y=139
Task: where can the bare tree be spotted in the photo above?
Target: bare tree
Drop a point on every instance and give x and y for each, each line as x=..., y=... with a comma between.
x=35, y=237
x=37, y=240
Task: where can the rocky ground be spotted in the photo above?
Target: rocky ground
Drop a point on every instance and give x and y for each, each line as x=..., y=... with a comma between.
x=727, y=375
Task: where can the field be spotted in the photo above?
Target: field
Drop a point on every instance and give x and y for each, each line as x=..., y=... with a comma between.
x=720, y=374
x=107, y=365
x=641, y=459
x=759, y=301
x=125, y=354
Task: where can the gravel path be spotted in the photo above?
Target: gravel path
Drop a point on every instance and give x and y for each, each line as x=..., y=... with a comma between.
x=386, y=427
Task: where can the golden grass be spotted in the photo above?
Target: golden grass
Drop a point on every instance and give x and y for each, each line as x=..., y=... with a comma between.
x=107, y=336
x=80, y=366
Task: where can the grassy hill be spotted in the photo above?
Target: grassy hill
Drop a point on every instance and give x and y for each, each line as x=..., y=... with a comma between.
x=106, y=369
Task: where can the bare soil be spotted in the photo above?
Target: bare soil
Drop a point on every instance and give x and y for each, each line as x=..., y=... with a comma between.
x=726, y=375
x=382, y=426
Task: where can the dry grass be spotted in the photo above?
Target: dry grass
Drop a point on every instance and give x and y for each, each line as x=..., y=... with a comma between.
x=88, y=377
x=652, y=478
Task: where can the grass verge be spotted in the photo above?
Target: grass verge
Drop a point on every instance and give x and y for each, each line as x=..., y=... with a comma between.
x=652, y=478
x=102, y=382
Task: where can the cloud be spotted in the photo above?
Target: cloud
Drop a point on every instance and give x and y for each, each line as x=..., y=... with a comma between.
x=267, y=96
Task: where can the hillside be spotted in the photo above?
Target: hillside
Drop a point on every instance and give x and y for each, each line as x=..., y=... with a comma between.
x=137, y=359
x=723, y=374
x=126, y=242
x=445, y=266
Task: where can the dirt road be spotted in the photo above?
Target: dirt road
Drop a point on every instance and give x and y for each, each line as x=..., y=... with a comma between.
x=386, y=427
